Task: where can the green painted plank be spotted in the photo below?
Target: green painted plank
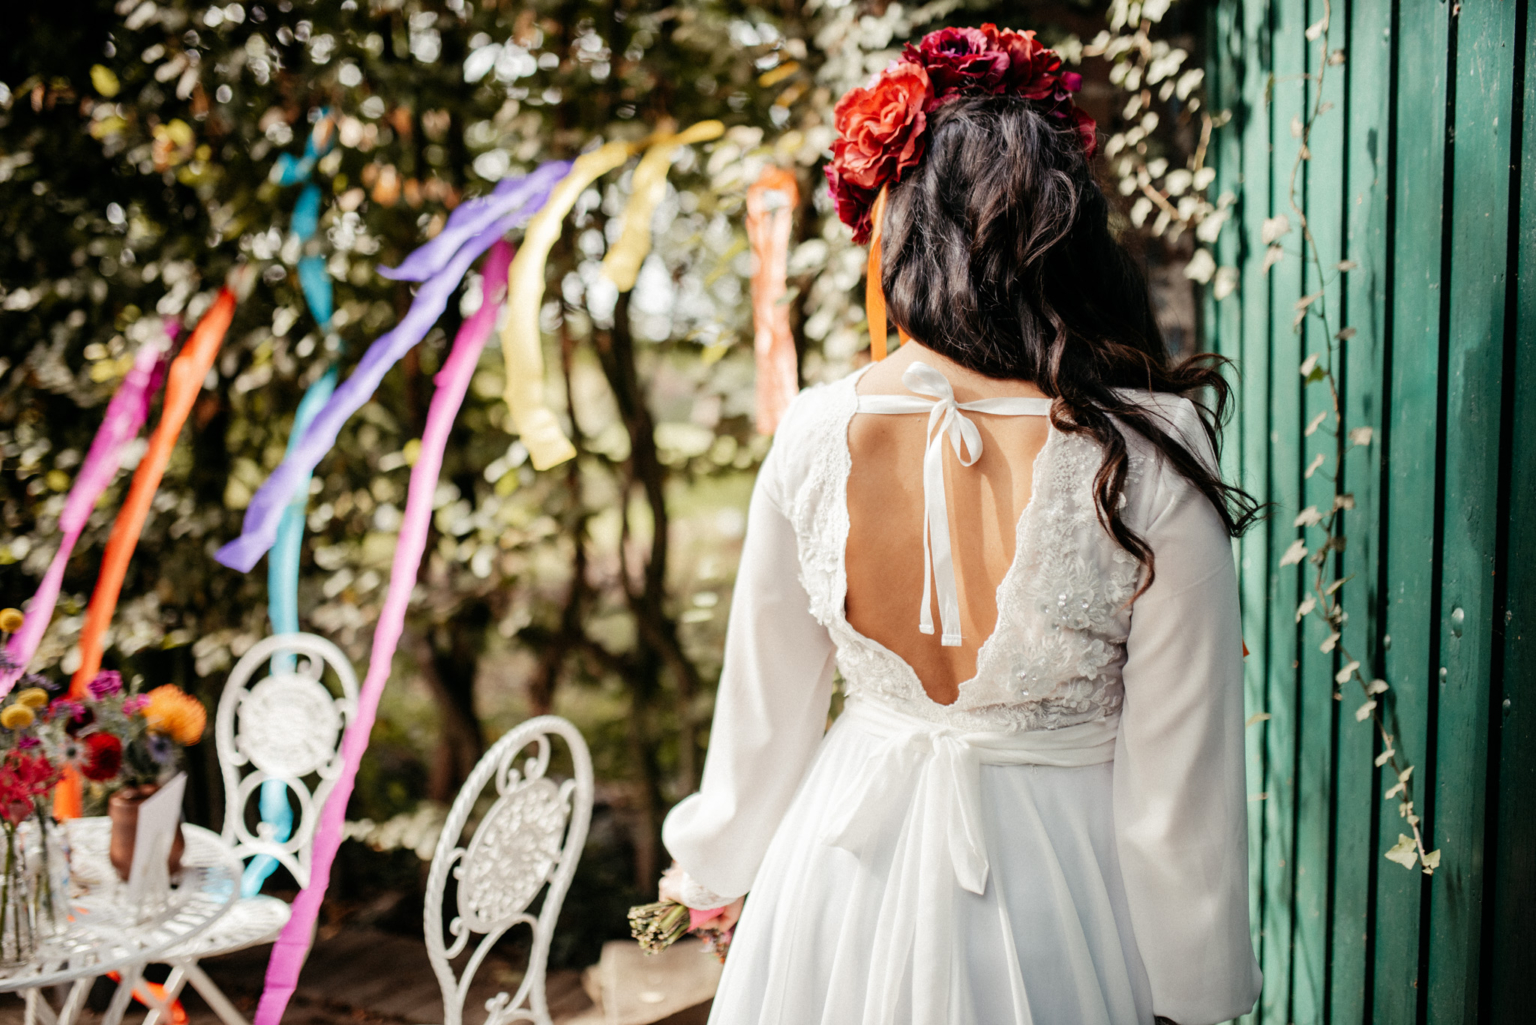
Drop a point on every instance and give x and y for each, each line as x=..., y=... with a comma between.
x=1512, y=854
x=1409, y=447
x=1288, y=98
x=1255, y=556
x=1252, y=125
x=1324, y=184
x=1485, y=55
x=1367, y=115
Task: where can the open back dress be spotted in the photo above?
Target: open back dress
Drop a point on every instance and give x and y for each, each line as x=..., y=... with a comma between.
x=1065, y=843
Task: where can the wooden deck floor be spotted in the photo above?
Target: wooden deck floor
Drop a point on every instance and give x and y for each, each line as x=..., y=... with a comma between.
x=366, y=977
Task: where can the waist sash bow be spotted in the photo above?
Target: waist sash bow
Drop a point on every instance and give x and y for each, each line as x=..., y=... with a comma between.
x=928, y=777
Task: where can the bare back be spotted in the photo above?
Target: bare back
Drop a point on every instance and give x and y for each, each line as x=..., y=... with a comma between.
x=885, y=508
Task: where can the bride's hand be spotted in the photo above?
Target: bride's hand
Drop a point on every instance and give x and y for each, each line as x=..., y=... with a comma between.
x=728, y=918
x=671, y=888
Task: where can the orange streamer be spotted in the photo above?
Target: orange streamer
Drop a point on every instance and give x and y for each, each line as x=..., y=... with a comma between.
x=874, y=291
x=183, y=382
x=771, y=202
x=156, y=991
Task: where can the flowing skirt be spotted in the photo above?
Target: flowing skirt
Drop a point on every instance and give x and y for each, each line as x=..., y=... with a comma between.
x=834, y=937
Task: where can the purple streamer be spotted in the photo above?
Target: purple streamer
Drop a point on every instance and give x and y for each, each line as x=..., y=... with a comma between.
x=259, y=530
x=472, y=217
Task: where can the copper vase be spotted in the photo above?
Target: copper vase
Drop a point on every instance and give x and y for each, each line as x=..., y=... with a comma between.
x=123, y=810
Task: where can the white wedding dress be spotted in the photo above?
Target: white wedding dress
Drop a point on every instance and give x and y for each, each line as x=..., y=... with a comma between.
x=1065, y=844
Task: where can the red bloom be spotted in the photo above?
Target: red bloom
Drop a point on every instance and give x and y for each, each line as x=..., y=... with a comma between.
x=883, y=129
x=1033, y=70
x=1087, y=131
x=956, y=59
x=881, y=133
x=101, y=757
x=23, y=779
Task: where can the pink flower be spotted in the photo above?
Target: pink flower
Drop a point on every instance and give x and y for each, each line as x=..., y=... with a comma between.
x=135, y=704
x=106, y=683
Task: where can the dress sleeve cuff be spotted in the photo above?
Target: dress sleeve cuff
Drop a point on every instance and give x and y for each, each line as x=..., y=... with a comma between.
x=692, y=894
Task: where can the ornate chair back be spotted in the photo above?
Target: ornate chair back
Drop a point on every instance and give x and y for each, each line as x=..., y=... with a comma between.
x=285, y=726
x=527, y=841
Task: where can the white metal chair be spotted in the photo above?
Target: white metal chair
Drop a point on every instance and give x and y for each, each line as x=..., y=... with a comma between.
x=527, y=842
x=285, y=726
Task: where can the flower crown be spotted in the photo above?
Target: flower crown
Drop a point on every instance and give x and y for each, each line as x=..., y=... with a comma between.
x=883, y=129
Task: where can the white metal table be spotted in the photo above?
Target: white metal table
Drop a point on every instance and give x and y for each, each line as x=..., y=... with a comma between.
x=108, y=933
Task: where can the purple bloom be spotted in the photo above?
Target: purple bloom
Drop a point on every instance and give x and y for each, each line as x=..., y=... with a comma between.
x=39, y=680
x=107, y=683
x=161, y=748
x=26, y=741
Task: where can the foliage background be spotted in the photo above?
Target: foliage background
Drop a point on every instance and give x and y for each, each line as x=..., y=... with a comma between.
x=136, y=144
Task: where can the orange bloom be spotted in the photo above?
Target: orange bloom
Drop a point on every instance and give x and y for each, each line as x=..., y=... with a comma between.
x=176, y=714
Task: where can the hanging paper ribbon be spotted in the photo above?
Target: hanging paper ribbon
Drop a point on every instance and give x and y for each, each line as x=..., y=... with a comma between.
x=183, y=383
x=125, y=417
x=266, y=508
x=521, y=344
x=648, y=186
x=290, y=170
x=283, y=560
x=874, y=291
x=292, y=945
x=283, y=610
x=771, y=204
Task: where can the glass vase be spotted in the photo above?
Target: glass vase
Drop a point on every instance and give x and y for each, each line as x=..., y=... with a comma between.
x=18, y=924
x=46, y=846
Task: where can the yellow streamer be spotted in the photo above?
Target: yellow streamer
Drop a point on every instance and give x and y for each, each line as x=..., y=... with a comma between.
x=649, y=185
x=521, y=344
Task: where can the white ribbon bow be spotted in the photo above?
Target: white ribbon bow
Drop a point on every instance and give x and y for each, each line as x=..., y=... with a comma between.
x=923, y=782
x=944, y=420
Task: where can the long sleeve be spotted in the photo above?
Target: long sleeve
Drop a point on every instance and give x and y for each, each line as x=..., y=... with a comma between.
x=770, y=708
x=1179, y=787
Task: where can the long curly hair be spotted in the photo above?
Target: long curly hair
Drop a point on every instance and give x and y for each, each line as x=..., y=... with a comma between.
x=997, y=253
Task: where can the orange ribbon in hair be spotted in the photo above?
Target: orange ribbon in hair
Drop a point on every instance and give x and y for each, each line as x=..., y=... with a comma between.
x=874, y=292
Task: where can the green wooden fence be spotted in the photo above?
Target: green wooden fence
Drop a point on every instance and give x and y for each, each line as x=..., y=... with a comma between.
x=1423, y=173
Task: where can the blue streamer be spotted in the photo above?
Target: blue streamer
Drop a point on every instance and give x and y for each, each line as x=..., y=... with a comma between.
x=283, y=563
x=316, y=285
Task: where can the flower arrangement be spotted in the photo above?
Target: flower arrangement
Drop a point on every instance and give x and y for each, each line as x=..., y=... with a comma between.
x=883, y=128
x=111, y=734
x=114, y=734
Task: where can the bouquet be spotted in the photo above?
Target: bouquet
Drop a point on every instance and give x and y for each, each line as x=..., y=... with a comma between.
x=114, y=734
x=658, y=925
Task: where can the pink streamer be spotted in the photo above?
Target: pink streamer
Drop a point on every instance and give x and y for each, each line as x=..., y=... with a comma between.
x=124, y=419
x=292, y=945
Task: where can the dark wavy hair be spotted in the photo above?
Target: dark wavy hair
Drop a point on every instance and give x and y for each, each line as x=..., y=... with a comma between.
x=997, y=253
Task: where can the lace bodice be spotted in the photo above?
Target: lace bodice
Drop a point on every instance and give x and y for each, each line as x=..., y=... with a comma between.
x=1063, y=606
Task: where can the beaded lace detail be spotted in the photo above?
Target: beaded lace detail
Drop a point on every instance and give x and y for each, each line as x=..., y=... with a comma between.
x=1063, y=613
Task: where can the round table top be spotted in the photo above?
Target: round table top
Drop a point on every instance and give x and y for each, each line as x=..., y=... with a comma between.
x=108, y=932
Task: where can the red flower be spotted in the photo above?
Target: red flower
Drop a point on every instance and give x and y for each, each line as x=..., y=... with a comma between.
x=882, y=129
x=1087, y=131
x=956, y=59
x=881, y=133
x=1033, y=70
x=23, y=778
x=101, y=757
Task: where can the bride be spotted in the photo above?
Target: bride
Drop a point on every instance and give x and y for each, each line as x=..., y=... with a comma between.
x=1012, y=541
